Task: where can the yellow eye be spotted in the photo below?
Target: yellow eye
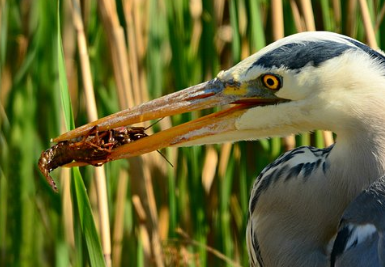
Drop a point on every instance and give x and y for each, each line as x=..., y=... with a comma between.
x=271, y=81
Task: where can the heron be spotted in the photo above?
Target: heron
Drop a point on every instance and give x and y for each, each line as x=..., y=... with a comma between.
x=301, y=83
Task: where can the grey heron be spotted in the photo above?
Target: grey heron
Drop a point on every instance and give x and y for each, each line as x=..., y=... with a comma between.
x=304, y=82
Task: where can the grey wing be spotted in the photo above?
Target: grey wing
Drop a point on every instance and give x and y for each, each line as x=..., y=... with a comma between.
x=360, y=240
x=300, y=162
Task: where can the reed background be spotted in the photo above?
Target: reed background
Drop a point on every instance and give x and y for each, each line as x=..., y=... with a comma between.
x=117, y=54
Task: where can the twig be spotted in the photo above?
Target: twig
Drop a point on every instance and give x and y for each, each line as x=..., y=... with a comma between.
x=308, y=15
x=119, y=218
x=337, y=13
x=277, y=16
x=351, y=18
x=145, y=237
x=370, y=36
x=297, y=17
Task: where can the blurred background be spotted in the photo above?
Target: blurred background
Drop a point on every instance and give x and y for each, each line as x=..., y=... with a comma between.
x=118, y=54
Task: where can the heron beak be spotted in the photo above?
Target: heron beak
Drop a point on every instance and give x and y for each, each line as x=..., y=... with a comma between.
x=205, y=95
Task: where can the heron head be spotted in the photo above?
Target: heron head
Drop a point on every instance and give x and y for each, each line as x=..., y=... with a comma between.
x=327, y=81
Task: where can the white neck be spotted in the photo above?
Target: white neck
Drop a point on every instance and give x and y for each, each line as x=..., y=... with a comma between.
x=357, y=160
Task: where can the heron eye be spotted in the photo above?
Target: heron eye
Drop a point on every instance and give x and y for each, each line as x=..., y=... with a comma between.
x=271, y=81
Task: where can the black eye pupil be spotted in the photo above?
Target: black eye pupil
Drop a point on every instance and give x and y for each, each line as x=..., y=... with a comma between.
x=270, y=82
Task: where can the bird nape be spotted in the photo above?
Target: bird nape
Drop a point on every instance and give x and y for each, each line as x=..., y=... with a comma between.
x=304, y=82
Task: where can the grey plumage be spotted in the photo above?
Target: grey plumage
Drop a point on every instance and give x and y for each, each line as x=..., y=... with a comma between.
x=361, y=232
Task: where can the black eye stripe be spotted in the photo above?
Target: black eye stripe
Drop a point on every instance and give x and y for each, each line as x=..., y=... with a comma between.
x=295, y=56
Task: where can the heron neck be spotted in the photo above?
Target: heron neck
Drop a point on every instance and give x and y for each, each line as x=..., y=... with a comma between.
x=357, y=160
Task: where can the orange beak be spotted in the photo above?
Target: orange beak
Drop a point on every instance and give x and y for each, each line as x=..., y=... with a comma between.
x=209, y=94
